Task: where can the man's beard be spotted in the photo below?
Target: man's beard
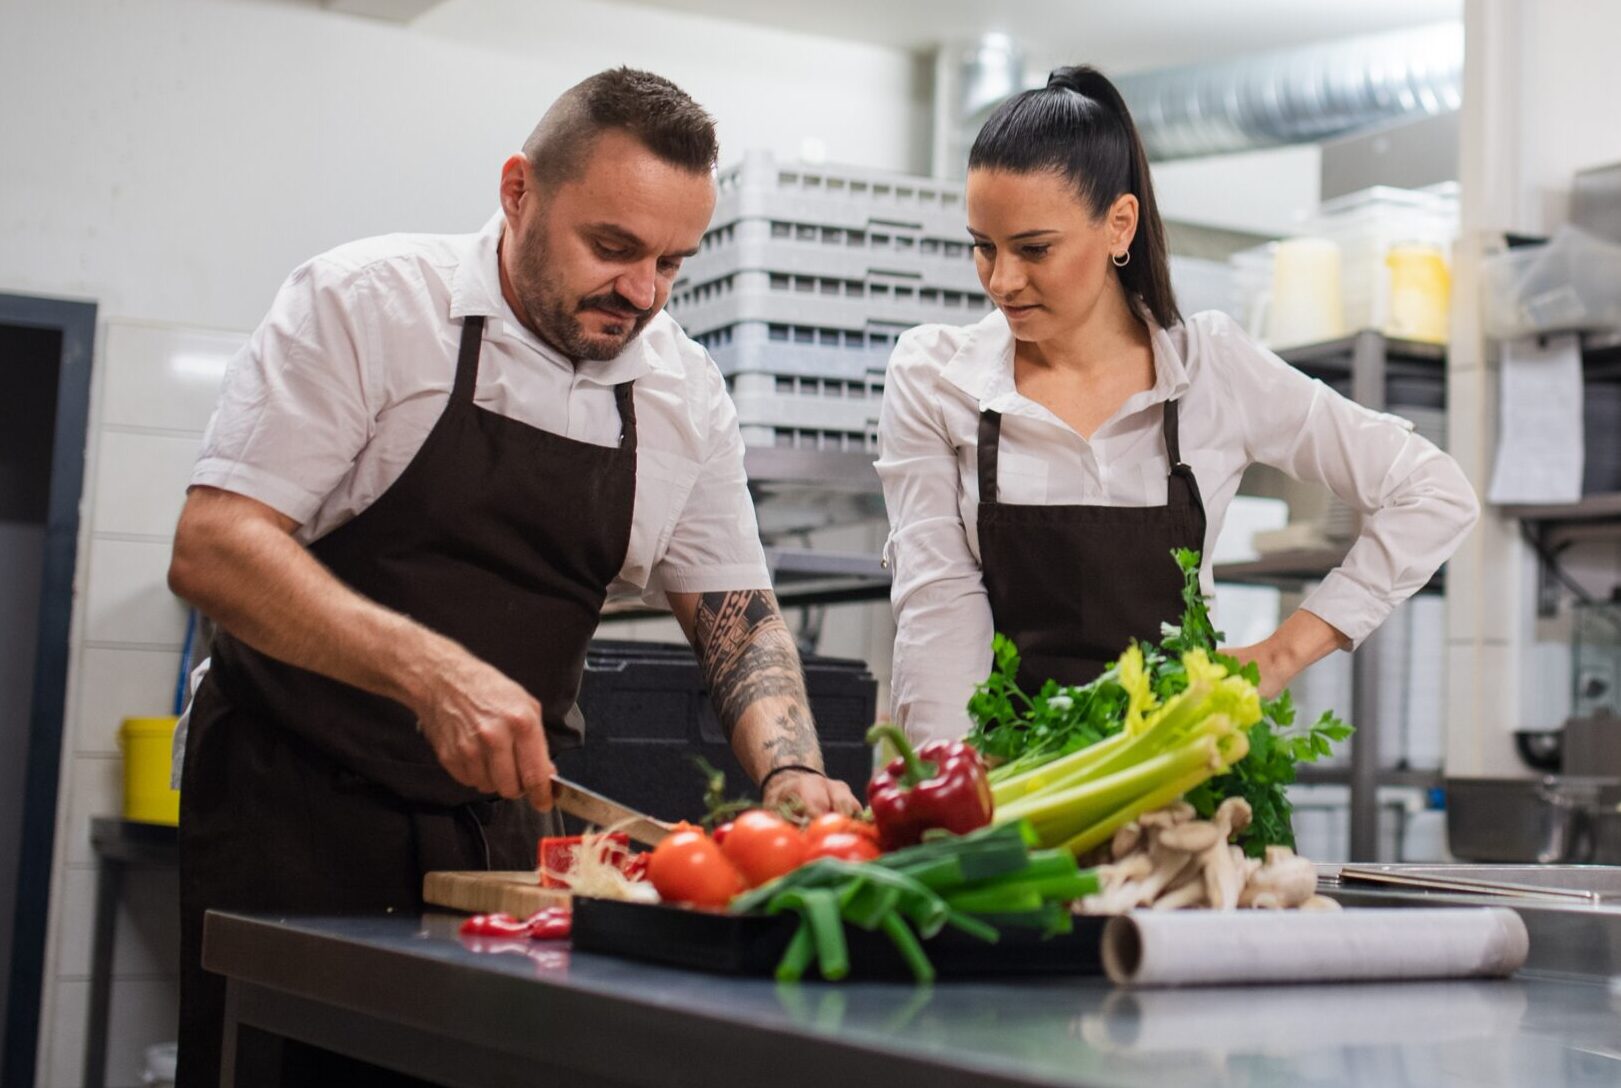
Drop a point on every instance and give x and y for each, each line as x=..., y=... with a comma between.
x=558, y=323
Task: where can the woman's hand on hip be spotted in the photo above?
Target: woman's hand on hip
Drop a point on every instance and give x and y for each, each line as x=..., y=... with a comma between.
x=1300, y=641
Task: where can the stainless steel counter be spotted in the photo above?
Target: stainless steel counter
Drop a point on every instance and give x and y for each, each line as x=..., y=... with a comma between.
x=409, y=994
x=1568, y=940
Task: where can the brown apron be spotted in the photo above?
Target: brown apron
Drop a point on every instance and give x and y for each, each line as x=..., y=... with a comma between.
x=302, y=794
x=1073, y=585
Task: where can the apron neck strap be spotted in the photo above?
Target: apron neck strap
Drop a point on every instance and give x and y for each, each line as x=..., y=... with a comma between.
x=625, y=399
x=467, y=360
x=1173, y=445
x=990, y=438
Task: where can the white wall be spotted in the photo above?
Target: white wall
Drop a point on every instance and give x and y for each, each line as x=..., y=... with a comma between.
x=173, y=160
x=184, y=155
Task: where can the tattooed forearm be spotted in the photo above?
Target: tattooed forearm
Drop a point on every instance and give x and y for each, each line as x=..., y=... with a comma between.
x=793, y=740
x=747, y=655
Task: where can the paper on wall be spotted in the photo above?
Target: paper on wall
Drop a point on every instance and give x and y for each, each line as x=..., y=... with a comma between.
x=1539, y=436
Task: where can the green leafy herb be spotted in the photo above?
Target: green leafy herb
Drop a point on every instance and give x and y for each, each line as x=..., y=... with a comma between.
x=1020, y=733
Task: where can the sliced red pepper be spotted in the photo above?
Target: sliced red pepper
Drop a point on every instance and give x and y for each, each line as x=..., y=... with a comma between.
x=941, y=784
x=635, y=866
x=551, y=924
x=557, y=855
x=495, y=925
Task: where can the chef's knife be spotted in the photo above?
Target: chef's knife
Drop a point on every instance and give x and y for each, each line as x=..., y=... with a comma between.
x=594, y=808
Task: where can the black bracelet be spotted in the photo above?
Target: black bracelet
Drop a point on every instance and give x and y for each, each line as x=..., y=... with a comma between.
x=773, y=772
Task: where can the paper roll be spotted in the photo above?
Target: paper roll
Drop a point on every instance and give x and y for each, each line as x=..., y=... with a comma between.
x=1192, y=948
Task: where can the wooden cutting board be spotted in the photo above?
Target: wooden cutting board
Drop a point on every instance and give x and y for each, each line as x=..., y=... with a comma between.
x=515, y=893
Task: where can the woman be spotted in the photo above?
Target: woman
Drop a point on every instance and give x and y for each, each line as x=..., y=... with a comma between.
x=1040, y=466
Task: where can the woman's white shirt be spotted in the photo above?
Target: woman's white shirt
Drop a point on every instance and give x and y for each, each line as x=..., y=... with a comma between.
x=1239, y=404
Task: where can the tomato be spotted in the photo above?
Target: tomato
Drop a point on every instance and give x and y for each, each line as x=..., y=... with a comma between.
x=834, y=823
x=845, y=845
x=687, y=867
x=763, y=846
x=721, y=832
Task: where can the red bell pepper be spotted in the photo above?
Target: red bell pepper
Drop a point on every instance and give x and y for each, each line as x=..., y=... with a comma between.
x=941, y=784
x=558, y=854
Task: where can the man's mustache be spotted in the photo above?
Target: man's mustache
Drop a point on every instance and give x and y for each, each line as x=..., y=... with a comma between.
x=615, y=304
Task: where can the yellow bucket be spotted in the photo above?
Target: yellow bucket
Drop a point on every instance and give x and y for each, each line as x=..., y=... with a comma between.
x=148, y=745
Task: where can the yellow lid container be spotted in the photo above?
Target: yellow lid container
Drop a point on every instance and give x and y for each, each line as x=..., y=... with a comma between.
x=148, y=745
x=1420, y=292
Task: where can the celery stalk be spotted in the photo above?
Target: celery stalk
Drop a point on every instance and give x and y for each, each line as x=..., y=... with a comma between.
x=1040, y=777
x=1103, y=830
x=1230, y=750
x=1061, y=814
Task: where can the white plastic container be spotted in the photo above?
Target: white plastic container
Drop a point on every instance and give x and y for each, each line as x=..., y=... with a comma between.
x=1573, y=282
x=1305, y=305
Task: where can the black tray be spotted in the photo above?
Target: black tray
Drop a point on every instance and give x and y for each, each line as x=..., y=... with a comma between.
x=752, y=944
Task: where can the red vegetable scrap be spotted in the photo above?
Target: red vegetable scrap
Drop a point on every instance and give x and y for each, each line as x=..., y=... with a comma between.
x=551, y=924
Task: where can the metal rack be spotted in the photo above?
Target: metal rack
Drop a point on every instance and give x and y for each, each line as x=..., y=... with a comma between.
x=1551, y=527
x=1369, y=359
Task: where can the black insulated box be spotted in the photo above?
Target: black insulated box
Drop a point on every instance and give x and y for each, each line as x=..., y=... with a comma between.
x=647, y=713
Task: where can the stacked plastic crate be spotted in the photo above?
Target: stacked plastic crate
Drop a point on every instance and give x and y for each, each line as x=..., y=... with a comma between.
x=805, y=279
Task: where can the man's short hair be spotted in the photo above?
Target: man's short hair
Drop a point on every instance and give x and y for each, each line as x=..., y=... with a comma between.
x=660, y=115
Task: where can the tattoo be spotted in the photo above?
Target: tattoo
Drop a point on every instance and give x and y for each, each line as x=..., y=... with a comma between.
x=794, y=740
x=747, y=655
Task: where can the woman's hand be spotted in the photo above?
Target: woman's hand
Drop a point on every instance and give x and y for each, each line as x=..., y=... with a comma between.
x=1301, y=640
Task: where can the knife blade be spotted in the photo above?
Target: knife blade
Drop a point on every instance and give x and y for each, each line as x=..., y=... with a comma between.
x=593, y=808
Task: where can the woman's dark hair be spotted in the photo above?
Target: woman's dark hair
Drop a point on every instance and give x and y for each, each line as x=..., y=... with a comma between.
x=1078, y=127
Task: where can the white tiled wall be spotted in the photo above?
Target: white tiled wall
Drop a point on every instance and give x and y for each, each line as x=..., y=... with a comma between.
x=155, y=387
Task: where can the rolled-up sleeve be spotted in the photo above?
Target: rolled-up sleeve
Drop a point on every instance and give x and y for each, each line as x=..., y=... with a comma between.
x=295, y=409
x=942, y=614
x=1415, y=503
x=715, y=543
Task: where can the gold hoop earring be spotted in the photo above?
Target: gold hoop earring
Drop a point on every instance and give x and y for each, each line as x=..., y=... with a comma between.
x=1120, y=260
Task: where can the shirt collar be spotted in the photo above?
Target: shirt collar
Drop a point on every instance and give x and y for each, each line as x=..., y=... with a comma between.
x=475, y=291
x=983, y=368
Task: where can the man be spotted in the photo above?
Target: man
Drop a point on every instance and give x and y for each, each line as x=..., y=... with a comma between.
x=430, y=465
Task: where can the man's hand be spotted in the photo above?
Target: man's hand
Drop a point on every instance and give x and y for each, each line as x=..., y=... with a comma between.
x=810, y=794
x=758, y=688
x=487, y=731
x=236, y=560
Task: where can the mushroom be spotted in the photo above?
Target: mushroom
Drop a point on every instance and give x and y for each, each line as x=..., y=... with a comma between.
x=1126, y=840
x=1188, y=894
x=1321, y=902
x=1224, y=876
x=1194, y=837
x=1235, y=815
x=1285, y=880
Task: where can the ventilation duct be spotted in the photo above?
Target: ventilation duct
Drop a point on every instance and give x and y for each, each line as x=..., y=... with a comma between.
x=1304, y=94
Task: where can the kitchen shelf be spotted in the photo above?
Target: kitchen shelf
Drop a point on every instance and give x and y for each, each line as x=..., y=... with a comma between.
x=1339, y=356
x=1590, y=509
x=1283, y=569
x=1341, y=776
x=800, y=577
x=1288, y=569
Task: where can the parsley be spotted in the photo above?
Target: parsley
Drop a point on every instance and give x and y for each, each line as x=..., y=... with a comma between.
x=1017, y=731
